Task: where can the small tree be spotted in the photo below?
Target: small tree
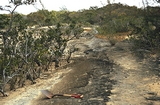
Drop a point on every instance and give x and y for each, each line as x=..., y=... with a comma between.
x=24, y=50
x=147, y=28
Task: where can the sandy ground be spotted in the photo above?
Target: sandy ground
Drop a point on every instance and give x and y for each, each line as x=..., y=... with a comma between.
x=104, y=74
x=137, y=81
x=23, y=96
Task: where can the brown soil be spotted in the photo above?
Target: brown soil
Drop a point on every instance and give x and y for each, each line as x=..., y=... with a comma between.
x=137, y=78
x=104, y=74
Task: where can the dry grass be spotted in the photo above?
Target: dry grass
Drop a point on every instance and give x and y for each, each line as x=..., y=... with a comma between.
x=117, y=37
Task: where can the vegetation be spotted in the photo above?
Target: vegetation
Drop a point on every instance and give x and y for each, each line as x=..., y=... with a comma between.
x=112, y=18
x=147, y=29
x=30, y=43
x=26, y=51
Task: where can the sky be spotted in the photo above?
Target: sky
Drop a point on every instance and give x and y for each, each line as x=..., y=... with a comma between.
x=71, y=5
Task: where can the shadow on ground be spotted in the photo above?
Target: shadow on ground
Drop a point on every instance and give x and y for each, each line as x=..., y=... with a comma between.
x=90, y=77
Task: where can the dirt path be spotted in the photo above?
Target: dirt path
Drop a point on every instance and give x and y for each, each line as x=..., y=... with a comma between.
x=90, y=76
x=123, y=79
x=23, y=96
x=136, y=82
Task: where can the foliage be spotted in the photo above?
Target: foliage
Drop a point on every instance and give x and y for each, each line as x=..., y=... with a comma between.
x=4, y=20
x=20, y=2
x=30, y=43
x=147, y=29
x=26, y=51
